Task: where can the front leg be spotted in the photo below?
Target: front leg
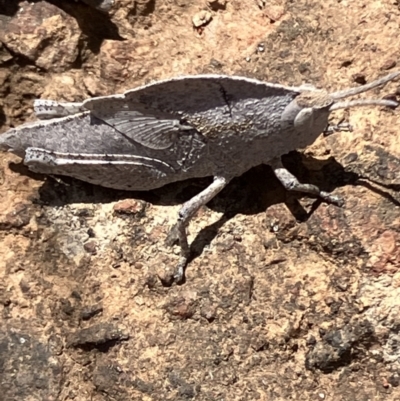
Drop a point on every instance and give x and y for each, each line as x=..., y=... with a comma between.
x=341, y=127
x=188, y=210
x=291, y=183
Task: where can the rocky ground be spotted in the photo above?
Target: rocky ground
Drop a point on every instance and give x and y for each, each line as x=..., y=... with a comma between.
x=286, y=298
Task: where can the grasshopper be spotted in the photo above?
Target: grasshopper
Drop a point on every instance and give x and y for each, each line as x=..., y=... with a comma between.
x=185, y=127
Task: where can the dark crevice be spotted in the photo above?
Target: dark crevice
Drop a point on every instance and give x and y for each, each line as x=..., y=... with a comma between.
x=217, y=6
x=95, y=25
x=149, y=8
x=9, y=7
x=2, y=117
x=19, y=59
x=103, y=347
x=101, y=5
x=143, y=10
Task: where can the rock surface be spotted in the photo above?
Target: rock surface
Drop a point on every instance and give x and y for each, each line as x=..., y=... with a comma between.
x=286, y=298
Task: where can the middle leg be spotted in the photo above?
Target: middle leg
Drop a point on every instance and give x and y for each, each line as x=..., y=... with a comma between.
x=291, y=183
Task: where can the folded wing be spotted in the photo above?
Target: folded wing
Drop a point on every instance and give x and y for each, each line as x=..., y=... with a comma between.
x=154, y=131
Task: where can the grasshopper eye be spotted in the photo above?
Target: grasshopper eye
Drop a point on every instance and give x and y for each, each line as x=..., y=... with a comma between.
x=304, y=119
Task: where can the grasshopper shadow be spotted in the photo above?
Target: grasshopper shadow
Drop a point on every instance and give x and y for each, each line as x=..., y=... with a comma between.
x=258, y=189
x=252, y=193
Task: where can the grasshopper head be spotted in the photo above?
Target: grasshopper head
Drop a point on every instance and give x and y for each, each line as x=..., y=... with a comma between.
x=307, y=115
x=314, y=111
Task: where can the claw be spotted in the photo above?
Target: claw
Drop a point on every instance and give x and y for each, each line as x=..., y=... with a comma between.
x=180, y=269
x=334, y=199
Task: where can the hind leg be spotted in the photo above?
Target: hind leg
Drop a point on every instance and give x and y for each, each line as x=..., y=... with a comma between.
x=126, y=172
x=188, y=210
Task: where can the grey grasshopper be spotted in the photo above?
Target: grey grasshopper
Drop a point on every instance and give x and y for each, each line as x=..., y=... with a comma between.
x=186, y=127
